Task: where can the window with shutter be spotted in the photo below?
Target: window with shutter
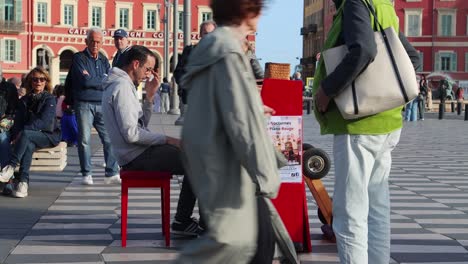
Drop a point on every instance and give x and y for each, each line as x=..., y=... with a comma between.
x=9, y=48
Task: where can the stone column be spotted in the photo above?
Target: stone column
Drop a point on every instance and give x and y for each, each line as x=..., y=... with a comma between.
x=54, y=70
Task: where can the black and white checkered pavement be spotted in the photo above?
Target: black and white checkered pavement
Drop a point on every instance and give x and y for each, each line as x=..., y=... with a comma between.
x=429, y=195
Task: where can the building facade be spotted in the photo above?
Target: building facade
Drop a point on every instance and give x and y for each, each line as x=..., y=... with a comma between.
x=438, y=29
x=48, y=32
x=318, y=17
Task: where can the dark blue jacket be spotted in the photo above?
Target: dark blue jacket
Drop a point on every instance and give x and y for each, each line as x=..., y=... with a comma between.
x=88, y=87
x=41, y=118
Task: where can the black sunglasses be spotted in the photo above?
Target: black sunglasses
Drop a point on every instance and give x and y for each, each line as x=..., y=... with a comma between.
x=39, y=79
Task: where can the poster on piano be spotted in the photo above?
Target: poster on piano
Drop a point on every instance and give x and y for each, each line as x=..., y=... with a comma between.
x=286, y=134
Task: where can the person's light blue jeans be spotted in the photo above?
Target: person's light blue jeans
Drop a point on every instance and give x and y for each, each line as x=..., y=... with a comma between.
x=5, y=148
x=411, y=111
x=88, y=115
x=361, y=199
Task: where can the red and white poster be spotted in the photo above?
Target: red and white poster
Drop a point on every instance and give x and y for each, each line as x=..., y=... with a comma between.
x=286, y=133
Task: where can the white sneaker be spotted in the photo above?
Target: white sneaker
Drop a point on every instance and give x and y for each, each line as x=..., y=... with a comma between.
x=113, y=179
x=87, y=180
x=7, y=173
x=21, y=190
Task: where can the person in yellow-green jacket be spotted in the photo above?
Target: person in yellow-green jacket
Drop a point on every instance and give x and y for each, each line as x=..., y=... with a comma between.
x=362, y=147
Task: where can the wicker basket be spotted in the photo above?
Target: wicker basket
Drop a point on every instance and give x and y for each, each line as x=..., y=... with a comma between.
x=277, y=70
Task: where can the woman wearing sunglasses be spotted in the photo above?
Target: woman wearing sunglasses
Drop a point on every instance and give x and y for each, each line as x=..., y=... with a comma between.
x=35, y=127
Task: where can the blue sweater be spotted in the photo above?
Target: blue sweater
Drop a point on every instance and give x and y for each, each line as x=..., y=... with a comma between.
x=88, y=87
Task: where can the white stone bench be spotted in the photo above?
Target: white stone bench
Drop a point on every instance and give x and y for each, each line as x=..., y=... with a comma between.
x=50, y=159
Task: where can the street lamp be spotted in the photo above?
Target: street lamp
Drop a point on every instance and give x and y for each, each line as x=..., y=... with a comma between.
x=298, y=67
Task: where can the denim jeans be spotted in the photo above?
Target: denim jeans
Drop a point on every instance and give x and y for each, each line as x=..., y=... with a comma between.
x=421, y=108
x=28, y=142
x=88, y=115
x=361, y=199
x=168, y=158
x=4, y=148
x=411, y=111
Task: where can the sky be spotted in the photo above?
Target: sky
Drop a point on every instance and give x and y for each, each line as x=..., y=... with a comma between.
x=278, y=32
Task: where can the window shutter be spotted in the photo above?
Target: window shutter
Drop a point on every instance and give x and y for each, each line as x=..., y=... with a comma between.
x=2, y=50
x=453, y=62
x=437, y=61
x=466, y=62
x=46, y=17
x=18, y=10
x=421, y=59
x=18, y=50
x=2, y=10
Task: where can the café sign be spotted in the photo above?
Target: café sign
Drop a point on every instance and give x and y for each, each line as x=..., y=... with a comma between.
x=133, y=34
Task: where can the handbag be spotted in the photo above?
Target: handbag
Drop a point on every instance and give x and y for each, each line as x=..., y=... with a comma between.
x=388, y=82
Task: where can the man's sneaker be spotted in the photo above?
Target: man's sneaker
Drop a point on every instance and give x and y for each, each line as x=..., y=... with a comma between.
x=21, y=190
x=87, y=180
x=113, y=179
x=188, y=228
x=6, y=173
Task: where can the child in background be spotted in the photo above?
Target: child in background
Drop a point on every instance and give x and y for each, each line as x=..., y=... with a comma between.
x=67, y=117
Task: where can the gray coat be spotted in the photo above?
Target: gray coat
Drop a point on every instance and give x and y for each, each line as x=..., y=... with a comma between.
x=230, y=157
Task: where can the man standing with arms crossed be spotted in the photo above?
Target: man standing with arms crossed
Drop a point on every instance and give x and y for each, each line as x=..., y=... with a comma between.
x=88, y=70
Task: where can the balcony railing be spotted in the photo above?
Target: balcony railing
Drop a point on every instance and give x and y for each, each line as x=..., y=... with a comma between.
x=311, y=28
x=14, y=27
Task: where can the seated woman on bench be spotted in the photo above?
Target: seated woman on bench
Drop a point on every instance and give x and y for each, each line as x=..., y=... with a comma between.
x=35, y=127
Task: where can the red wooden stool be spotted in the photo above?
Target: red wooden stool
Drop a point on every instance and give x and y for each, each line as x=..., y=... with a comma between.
x=146, y=179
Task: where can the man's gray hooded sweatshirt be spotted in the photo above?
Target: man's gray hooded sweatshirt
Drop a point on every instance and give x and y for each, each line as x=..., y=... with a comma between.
x=229, y=155
x=125, y=119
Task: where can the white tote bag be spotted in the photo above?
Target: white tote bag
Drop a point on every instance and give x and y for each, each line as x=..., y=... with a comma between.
x=387, y=82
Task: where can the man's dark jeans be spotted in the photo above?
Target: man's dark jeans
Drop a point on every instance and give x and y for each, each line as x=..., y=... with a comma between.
x=29, y=141
x=168, y=158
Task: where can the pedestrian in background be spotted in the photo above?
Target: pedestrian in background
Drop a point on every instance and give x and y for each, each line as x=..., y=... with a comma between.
x=459, y=95
x=67, y=117
x=122, y=45
x=35, y=127
x=361, y=147
x=88, y=70
x=230, y=157
x=421, y=99
x=258, y=72
x=16, y=81
x=165, y=93
x=206, y=27
x=429, y=98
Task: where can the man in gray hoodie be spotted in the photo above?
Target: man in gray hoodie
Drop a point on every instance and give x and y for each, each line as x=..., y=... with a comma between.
x=134, y=145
